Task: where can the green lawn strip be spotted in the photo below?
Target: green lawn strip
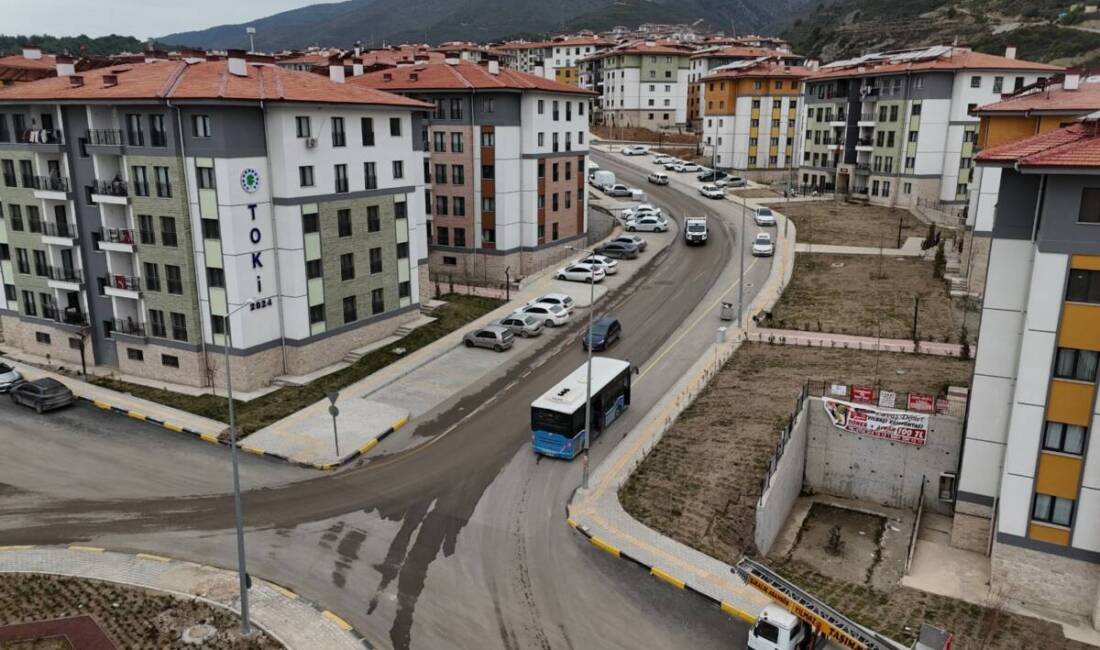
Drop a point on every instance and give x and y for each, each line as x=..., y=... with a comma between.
x=263, y=411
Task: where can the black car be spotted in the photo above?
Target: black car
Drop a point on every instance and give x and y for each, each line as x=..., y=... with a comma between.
x=605, y=331
x=711, y=176
x=618, y=250
x=42, y=394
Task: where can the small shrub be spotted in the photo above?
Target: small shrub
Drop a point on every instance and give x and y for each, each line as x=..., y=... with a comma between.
x=835, y=545
x=939, y=266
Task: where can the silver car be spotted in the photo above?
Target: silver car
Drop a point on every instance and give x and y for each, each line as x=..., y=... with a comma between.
x=9, y=377
x=524, y=325
x=493, y=337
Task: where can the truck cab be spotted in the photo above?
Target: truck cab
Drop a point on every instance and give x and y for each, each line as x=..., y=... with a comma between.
x=778, y=629
x=695, y=230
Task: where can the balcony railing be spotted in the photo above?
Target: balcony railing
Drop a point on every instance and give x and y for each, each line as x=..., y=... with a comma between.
x=64, y=274
x=129, y=326
x=39, y=136
x=105, y=137
x=58, y=229
x=125, y=282
x=50, y=183
x=117, y=235
x=69, y=315
x=110, y=188
x=9, y=180
x=865, y=142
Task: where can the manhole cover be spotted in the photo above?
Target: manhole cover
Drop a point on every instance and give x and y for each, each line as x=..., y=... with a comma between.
x=199, y=634
x=837, y=265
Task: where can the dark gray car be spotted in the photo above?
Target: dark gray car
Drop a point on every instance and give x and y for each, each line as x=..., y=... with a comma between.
x=493, y=337
x=619, y=250
x=43, y=394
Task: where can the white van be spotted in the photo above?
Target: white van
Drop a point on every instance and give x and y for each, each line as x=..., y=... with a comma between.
x=658, y=178
x=602, y=178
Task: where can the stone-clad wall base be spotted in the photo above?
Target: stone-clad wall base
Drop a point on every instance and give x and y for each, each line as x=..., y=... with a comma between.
x=330, y=349
x=488, y=270
x=191, y=370
x=22, y=334
x=1051, y=585
x=970, y=527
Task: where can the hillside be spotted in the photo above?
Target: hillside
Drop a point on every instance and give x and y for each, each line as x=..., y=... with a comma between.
x=846, y=28
x=376, y=21
x=74, y=45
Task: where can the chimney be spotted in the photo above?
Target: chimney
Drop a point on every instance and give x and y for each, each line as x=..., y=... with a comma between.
x=110, y=80
x=414, y=76
x=336, y=72
x=32, y=52
x=451, y=57
x=1072, y=81
x=1010, y=52
x=538, y=68
x=356, y=65
x=65, y=65
x=494, y=65
x=237, y=65
x=193, y=56
x=387, y=76
x=76, y=81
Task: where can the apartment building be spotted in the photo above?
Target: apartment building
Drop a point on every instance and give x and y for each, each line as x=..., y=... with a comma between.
x=704, y=61
x=525, y=56
x=645, y=84
x=1029, y=481
x=505, y=166
x=750, y=117
x=899, y=129
x=176, y=205
x=564, y=53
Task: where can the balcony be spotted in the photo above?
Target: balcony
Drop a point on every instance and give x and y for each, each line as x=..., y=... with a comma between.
x=116, y=191
x=129, y=327
x=68, y=316
x=57, y=233
x=60, y=277
x=44, y=139
x=54, y=188
x=104, y=137
x=116, y=239
x=863, y=168
x=121, y=286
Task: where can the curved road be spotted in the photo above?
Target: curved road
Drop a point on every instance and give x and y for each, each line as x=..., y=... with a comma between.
x=461, y=541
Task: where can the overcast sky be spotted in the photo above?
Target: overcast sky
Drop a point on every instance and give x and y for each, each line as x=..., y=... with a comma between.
x=140, y=18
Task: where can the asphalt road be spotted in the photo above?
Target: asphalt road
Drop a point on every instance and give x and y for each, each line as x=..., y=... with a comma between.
x=460, y=541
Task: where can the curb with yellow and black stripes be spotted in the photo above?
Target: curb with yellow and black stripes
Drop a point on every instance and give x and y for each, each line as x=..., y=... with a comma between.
x=661, y=574
x=216, y=440
x=287, y=593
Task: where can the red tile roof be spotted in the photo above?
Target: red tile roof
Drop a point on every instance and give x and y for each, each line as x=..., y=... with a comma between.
x=1051, y=99
x=205, y=80
x=768, y=69
x=742, y=52
x=464, y=75
x=648, y=47
x=47, y=62
x=1076, y=146
x=956, y=58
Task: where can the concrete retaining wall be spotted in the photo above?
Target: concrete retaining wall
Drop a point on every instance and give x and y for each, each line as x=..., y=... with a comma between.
x=784, y=486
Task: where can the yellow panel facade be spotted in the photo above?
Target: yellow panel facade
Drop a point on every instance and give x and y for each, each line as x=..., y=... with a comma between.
x=1049, y=534
x=1088, y=262
x=1058, y=475
x=1001, y=129
x=1070, y=402
x=1080, y=327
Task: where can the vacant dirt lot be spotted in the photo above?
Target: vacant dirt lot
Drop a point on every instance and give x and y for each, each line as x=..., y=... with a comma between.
x=858, y=294
x=638, y=134
x=755, y=193
x=850, y=224
x=700, y=484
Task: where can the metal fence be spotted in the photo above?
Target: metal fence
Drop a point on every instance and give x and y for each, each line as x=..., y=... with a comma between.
x=781, y=444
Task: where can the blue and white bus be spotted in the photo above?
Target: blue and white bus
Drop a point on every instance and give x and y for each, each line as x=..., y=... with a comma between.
x=557, y=418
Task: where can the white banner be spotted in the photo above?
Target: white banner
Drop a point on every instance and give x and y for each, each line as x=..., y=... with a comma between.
x=897, y=426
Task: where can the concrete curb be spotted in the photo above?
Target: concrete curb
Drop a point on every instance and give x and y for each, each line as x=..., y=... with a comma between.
x=326, y=614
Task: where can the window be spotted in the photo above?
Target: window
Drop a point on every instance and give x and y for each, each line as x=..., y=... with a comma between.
x=156, y=323
x=971, y=108
x=1064, y=438
x=305, y=175
x=311, y=223
x=438, y=113
x=975, y=82
x=1084, y=286
x=766, y=631
x=168, y=231
x=542, y=139
x=343, y=222
x=398, y=169
x=488, y=172
x=341, y=173
x=179, y=326
x=395, y=127
x=217, y=325
x=460, y=237
x=347, y=267
x=152, y=277
x=488, y=106
x=1052, y=510
x=164, y=186
x=349, y=309
x=488, y=139
x=403, y=250
x=314, y=269
x=370, y=176
x=404, y=289
x=200, y=128
x=441, y=206
x=439, y=142
x=367, y=124
x=894, y=113
x=375, y=260
x=440, y=174
x=302, y=123
x=173, y=279
x=42, y=337
x=139, y=181
x=169, y=360
x=541, y=107
x=205, y=177
x=1090, y=206
x=377, y=301
x=215, y=277
x=458, y=174
x=998, y=84
x=156, y=129
x=134, y=354
x=456, y=143
x=339, y=138
x=459, y=205
x=374, y=221
x=1076, y=364
x=317, y=314
x=443, y=236
x=456, y=109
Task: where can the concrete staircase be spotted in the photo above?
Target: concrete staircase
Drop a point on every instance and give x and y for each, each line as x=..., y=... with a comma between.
x=409, y=327
x=428, y=308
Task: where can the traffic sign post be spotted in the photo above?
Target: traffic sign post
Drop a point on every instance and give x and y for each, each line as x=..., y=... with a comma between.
x=333, y=411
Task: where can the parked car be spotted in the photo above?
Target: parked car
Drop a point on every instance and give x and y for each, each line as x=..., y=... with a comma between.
x=763, y=216
x=560, y=299
x=672, y=163
x=494, y=337
x=763, y=246
x=9, y=377
x=637, y=240
x=662, y=159
x=686, y=167
x=524, y=325
x=647, y=223
x=642, y=209
x=712, y=192
x=550, y=315
x=610, y=266
x=42, y=395
x=620, y=250
x=635, y=150
x=605, y=331
x=711, y=176
x=732, y=181
x=579, y=272
x=658, y=178
x=618, y=189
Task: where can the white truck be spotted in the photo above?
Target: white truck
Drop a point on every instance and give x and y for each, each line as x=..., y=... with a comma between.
x=695, y=230
x=602, y=178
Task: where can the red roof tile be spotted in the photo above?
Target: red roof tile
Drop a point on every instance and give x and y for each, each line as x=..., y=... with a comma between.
x=769, y=69
x=957, y=58
x=1076, y=146
x=1052, y=99
x=47, y=62
x=744, y=53
x=204, y=80
x=463, y=75
x=648, y=47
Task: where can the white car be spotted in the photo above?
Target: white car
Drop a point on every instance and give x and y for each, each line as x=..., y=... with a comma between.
x=559, y=299
x=763, y=216
x=641, y=209
x=647, y=223
x=673, y=163
x=712, y=192
x=632, y=239
x=9, y=377
x=662, y=160
x=610, y=266
x=635, y=150
x=686, y=167
x=580, y=272
x=763, y=246
x=550, y=315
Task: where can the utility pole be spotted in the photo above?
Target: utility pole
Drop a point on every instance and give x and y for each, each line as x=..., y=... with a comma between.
x=588, y=381
x=916, y=310
x=741, y=261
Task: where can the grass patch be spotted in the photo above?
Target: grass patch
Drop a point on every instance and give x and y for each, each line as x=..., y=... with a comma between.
x=263, y=411
x=850, y=224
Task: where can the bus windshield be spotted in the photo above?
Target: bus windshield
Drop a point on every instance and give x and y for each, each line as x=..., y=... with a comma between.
x=563, y=424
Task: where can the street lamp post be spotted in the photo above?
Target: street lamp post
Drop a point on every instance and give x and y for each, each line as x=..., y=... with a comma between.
x=741, y=261
x=588, y=363
x=242, y=571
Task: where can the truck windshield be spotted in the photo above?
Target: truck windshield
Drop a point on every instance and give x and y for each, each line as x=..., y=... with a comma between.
x=696, y=227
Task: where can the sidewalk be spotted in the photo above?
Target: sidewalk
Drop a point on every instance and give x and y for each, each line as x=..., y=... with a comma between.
x=288, y=618
x=847, y=341
x=597, y=513
x=911, y=248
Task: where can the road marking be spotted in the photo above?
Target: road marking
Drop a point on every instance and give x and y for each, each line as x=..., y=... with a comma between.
x=135, y=415
x=572, y=522
x=604, y=546
x=86, y=549
x=738, y=613
x=340, y=623
x=172, y=427
x=370, y=445
x=253, y=450
x=17, y=547
x=101, y=404
x=284, y=591
x=206, y=437
x=155, y=558
x=665, y=576
x=400, y=423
